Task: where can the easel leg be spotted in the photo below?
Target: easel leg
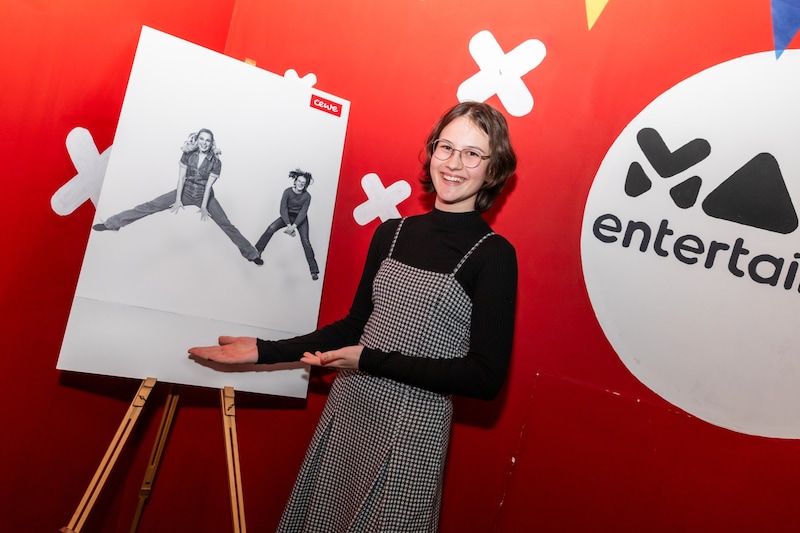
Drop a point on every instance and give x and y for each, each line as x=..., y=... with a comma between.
x=232, y=452
x=160, y=444
x=111, y=456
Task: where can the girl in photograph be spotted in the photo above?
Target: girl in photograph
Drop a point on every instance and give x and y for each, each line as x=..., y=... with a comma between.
x=294, y=217
x=432, y=316
x=199, y=168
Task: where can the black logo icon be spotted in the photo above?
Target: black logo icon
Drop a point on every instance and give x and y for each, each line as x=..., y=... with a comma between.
x=755, y=195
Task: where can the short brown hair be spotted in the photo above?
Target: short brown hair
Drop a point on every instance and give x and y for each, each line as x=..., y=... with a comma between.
x=503, y=161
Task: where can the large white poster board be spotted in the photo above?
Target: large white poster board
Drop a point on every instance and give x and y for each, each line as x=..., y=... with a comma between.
x=168, y=281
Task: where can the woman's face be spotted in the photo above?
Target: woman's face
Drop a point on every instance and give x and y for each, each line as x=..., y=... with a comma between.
x=456, y=185
x=204, y=141
x=300, y=183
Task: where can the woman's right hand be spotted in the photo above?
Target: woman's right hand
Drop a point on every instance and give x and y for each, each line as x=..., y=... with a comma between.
x=177, y=206
x=231, y=350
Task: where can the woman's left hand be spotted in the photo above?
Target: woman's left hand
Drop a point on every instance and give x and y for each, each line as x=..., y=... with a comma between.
x=204, y=214
x=344, y=358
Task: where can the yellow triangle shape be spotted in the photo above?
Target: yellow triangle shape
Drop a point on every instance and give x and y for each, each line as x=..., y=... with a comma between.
x=593, y=10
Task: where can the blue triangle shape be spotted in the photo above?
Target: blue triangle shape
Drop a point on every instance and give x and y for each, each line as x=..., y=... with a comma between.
x=785, y=23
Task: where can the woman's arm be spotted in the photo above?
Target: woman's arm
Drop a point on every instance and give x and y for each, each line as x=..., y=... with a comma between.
x=342, y=333
x=284, y=207
x=348, y=330
x=179, y=188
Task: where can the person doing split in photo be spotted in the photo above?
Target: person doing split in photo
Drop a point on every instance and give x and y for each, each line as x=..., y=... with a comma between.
x=199, y=168
x=432, y=316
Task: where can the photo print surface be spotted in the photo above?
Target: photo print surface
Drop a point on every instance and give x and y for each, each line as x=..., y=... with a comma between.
x=212, y=159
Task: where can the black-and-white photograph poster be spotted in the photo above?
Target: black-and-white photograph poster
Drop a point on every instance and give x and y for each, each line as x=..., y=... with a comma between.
x=214, y=219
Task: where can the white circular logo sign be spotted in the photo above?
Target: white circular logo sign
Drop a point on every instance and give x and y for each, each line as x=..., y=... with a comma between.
x=690, y=245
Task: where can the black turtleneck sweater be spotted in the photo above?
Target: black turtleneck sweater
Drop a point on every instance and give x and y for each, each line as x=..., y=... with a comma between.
x=435, y=241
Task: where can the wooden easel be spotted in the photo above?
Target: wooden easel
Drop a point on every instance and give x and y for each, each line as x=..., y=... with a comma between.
x=124, y=431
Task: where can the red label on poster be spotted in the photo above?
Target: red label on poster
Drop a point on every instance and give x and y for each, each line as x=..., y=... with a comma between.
x=326, y=105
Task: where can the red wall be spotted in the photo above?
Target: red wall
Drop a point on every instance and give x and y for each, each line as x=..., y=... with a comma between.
x=574, y=442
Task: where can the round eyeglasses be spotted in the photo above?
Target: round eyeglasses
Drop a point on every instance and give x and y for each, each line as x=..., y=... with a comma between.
x=443, y=151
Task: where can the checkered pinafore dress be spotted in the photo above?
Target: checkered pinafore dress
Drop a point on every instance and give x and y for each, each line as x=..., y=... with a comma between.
x=376, y=459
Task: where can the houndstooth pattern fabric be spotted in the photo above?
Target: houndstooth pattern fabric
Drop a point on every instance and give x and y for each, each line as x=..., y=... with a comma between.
x=376, y=459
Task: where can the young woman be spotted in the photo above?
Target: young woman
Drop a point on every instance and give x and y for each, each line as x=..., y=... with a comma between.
x=294, y=217
x=198, y=170
x=432, y=316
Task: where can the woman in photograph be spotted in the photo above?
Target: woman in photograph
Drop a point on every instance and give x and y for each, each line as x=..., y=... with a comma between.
x=198, y=170
x=294, y=217
x=433, y=316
